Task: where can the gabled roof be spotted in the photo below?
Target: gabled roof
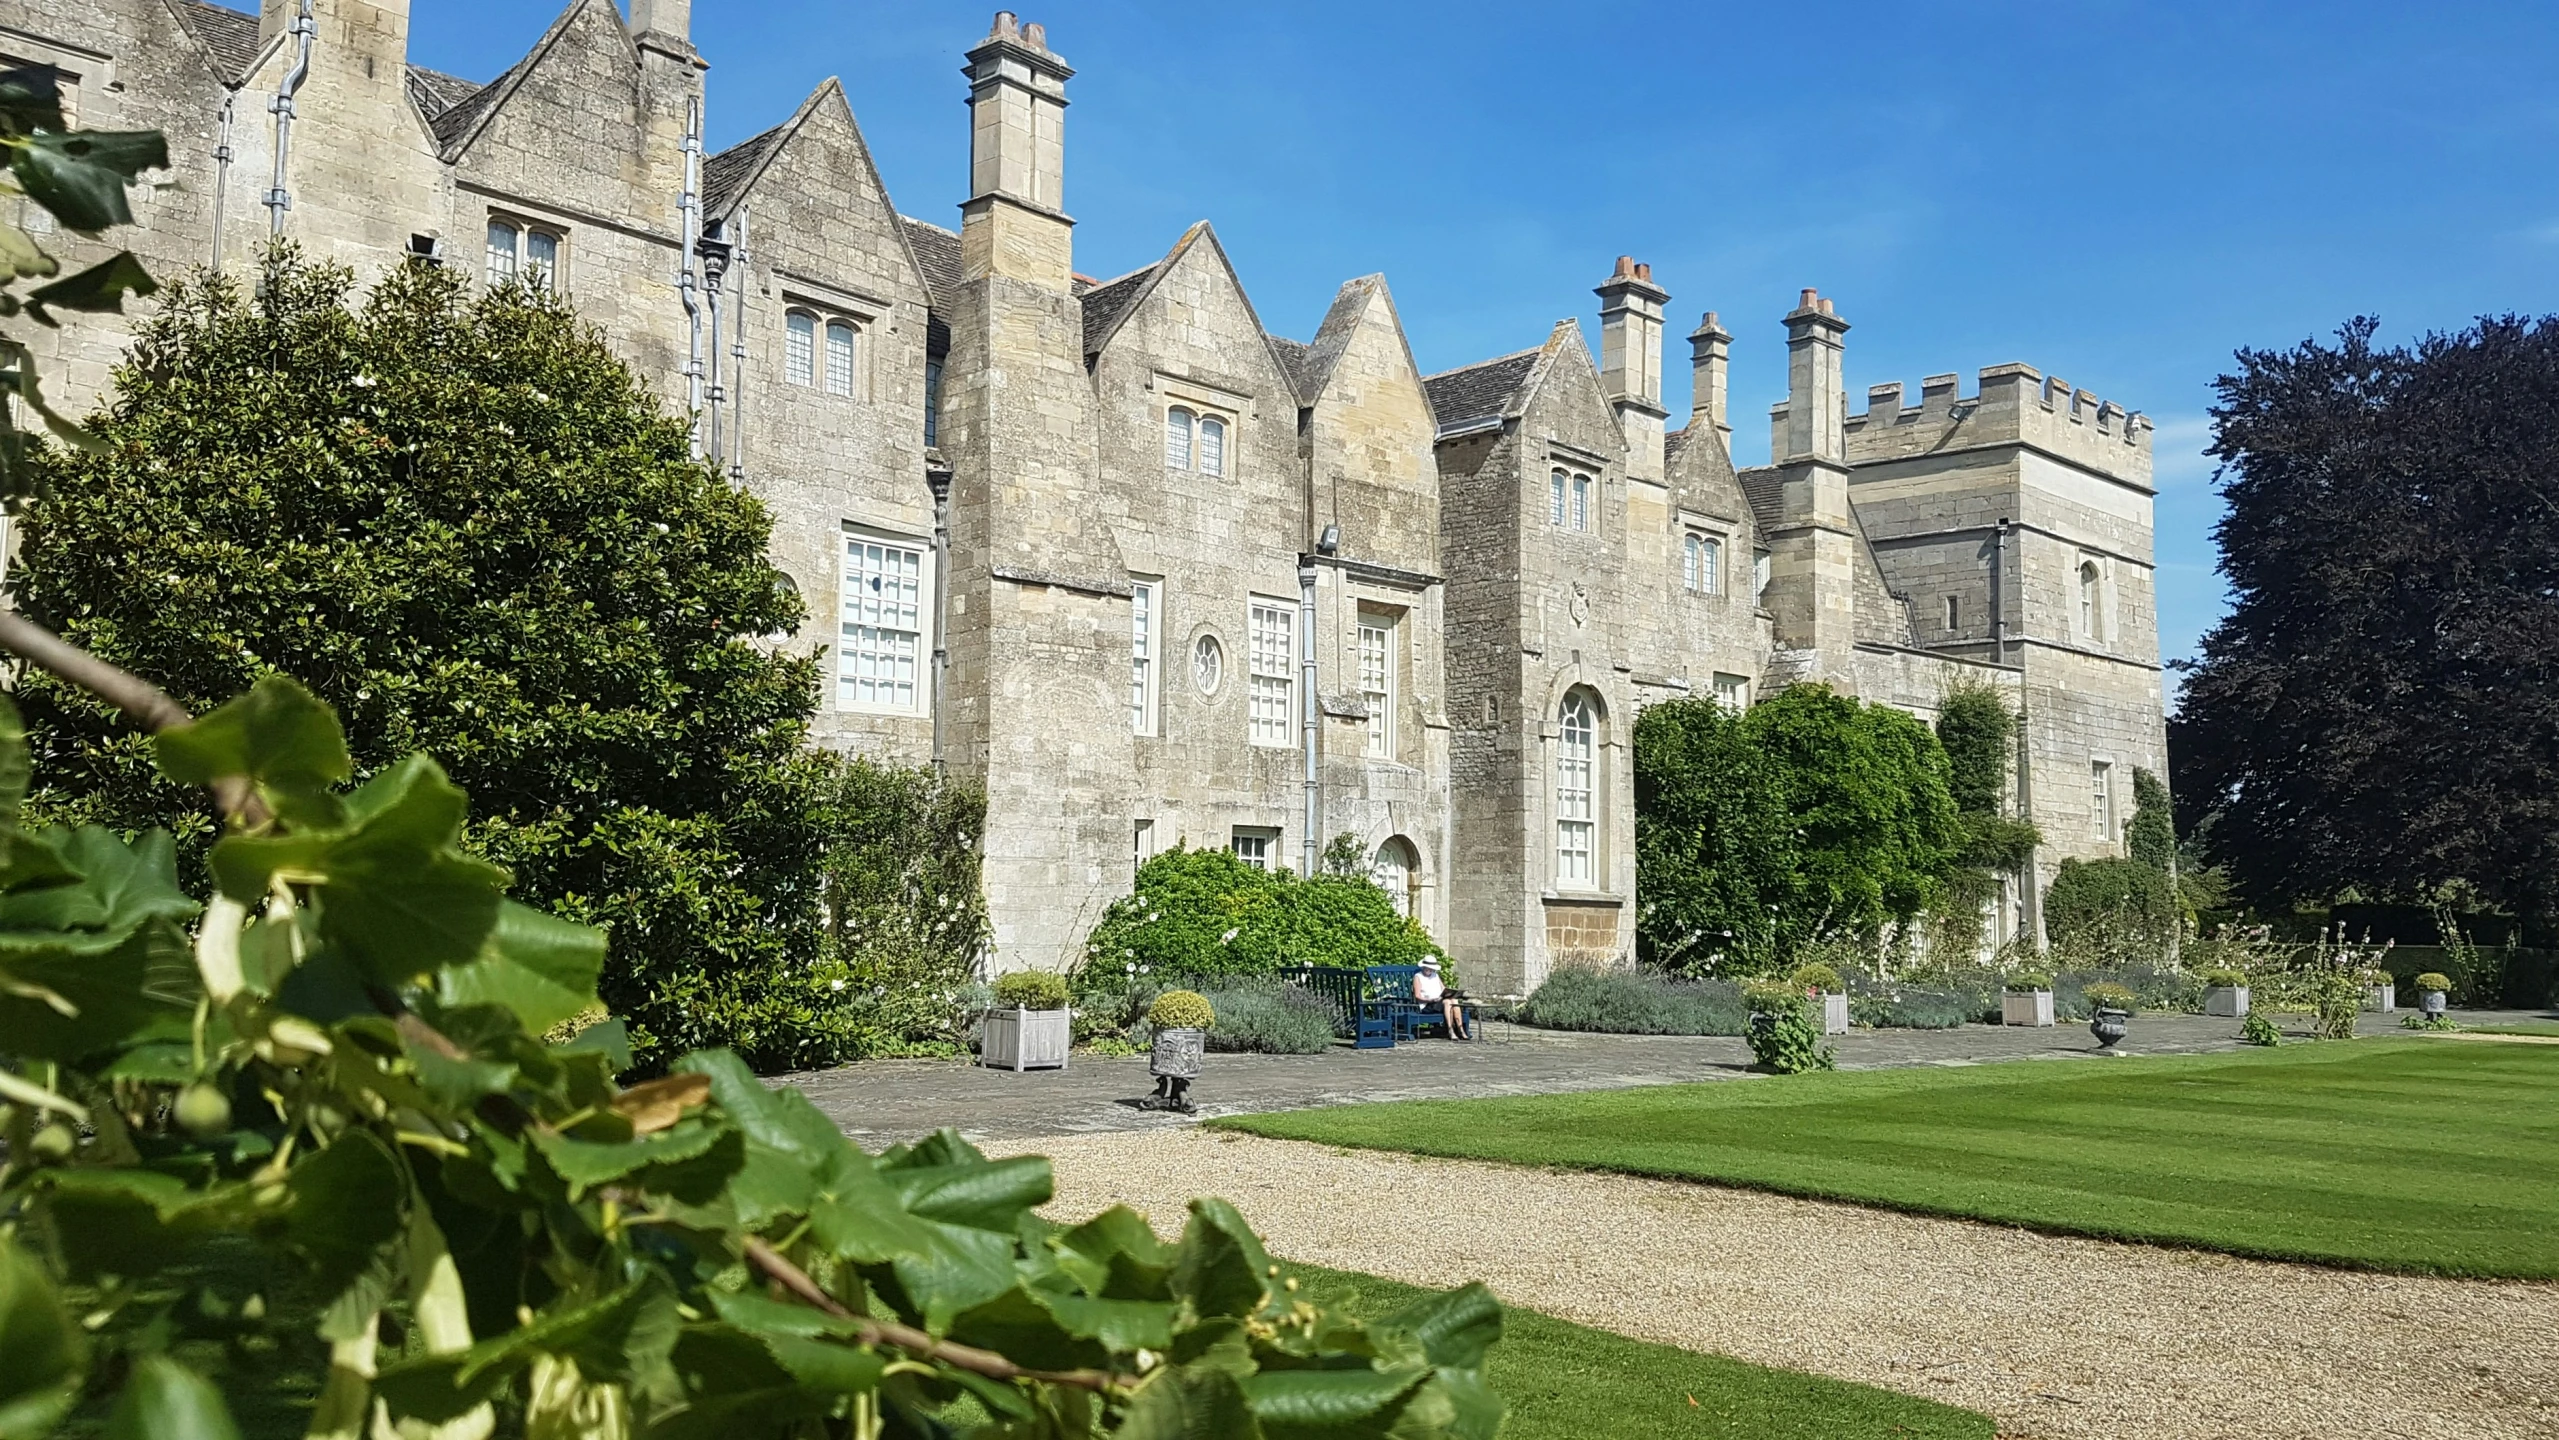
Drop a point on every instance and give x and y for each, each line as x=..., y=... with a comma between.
x=435, y=92
x=937, y=254
x=1107, y=302
x=1297, y=361
x=1473, y=395
x=231, y=36
x=452, y=124
x=726, y=174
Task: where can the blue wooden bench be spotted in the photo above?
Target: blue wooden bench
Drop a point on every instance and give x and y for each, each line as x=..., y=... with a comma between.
x=1407, y=1016
x=1359, y=1016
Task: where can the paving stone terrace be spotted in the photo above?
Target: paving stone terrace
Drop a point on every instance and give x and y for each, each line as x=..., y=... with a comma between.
x=885, y=1102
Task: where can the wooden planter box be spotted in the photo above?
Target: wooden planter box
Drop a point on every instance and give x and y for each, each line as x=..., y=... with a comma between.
x=2229, y=1002
x=1834, y=1012
x=2382, y=999
x=1026, y=1039
x=2028, y=1007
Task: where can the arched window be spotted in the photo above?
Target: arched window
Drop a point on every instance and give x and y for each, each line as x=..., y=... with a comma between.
x=1395, y=871
x=799, y=349
x=1581, y=502
x=1555, y=498
x=1177, y=438
x=1703, y=564
x=1577, y=792
x=1212, y=445
x=839, y=358
x=2088, y=616
x=503, y=239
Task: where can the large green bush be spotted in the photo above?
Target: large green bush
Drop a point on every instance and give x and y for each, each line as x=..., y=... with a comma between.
x=2113, y=907
x=464, y=520
x=1807, y=816
x=1204, y=913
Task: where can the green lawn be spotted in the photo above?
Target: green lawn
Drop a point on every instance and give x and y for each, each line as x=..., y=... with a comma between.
x=2520, y=1027
x=1567, y=1382
x=2391, y=1154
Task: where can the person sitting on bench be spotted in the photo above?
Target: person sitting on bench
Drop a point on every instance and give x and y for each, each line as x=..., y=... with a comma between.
x=1452, y=1008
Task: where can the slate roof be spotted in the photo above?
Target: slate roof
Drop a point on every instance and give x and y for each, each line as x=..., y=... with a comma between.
x=1765, y=490
x=436, y=92
x=229, y=34
x=937, y=254
x=452, y=124
x=726, y=173
x=1298, y=359
x=1469, y=396
x=1104, y=302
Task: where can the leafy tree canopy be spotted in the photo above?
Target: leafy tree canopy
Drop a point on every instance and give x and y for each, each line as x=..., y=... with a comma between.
x=461, y=518
x=2380, y=709
x=1807, y=816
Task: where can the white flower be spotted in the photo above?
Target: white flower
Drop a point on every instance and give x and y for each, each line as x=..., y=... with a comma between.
x=1228, y=938
x=834, y=984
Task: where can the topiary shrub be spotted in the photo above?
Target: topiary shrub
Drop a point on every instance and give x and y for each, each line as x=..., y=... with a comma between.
x=1785, y=1038
x=2026, y=982
x=1270, y=1020
x=1818, y=977
x=1030, y=990
x=2223, y=979
x=2434, y=980
x=1622, y=1002
x=1181, y=1010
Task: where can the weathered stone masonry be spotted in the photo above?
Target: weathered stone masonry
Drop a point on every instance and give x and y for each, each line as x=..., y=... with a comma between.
x=1506, y=561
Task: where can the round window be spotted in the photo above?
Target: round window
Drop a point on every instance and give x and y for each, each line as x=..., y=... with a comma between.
x=1208, y=664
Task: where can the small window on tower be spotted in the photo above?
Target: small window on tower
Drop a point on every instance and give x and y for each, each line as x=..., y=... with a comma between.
x=1954, y=612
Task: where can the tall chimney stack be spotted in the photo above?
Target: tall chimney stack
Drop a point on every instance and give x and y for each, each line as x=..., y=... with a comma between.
x=1710, y=358
x=1816, y=405
x=1014, y=222
x=1630, y=362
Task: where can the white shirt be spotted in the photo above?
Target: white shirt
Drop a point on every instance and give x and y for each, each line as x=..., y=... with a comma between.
x=1426, y=986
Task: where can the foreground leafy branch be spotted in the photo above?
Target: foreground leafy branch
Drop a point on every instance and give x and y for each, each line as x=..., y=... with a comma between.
x=342, y=1077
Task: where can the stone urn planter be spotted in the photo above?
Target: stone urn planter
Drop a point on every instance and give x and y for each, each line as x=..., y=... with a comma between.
x=1834, y=1012
x=1175, y=1063
x=2430, y=1003
x=2229, y=1002
x=1020, y=1039
x=2109, y=1025
x=2026, y=1007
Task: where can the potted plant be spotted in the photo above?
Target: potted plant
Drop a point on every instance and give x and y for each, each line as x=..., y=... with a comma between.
x=2431, y=989
x=2382, y=992
x=1181, y=1019
x=1783, y=1038
x=2226, y=994
x=1821, y=984
x=2026, y=998
x=2110, y=1008
x=1030, y=1027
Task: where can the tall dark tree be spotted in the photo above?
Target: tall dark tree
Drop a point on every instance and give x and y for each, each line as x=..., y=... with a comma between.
x=2380, y=710
x=459, y=518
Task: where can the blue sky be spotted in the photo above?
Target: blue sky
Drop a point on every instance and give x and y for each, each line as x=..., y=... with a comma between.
x=2118, y=194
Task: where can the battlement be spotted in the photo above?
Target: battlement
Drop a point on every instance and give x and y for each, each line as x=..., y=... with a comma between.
x=2013, y=404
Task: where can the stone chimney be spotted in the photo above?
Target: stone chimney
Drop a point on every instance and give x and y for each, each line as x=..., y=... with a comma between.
x=1710, y=358
x=1014, y=222
x=1816, y=403
x=668, y=23
x=1630, y=362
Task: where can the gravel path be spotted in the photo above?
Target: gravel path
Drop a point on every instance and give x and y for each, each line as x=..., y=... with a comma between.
x=2053, y=1337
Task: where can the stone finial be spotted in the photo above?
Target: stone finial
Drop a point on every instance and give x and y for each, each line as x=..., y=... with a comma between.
x=1006, y=26
x=1035, y=35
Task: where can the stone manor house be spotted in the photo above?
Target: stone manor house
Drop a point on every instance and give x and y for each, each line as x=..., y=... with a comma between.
x=1152, y=573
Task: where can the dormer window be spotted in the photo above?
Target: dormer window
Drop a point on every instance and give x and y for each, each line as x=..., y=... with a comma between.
x=821, y=352
x=1194, y=440
x=527, y=253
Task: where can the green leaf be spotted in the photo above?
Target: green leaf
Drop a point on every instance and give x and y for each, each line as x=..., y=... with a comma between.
x=1307, y=1404
x=1116, y=1254
x=41, y=1352
x=1190, y=1403
x=80, y=177
x=826, y=1366
x=539, y=966
x=1477, y=1410
x=277, y=734
x=13, y=763
x=392, y=890
x=608, y=1038
x=980, y=1193
x=586, y=1164
x=1221, y=1267
x=131, y=1222
x=1123, y=1326
x=167, y=1401
x=349, y=1205
x=31, y=98
x=1455, y=1328
x=1019, y=1327
x=70, y=994
x=100, y=288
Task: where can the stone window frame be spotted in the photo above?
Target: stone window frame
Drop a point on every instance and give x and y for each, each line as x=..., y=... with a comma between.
x=1201, y=419
x=1734, y=696
x=1270, y=671
x=1405, y=867
x=849, y=534
x=1381, y=685
x=1146, y=655
x=1576, y=490
x=2102, y=802
x=90, y=86
x=1696, y=542
x=1763, y=568
x=1256, y=845
x=1578, y=844
x=825, y=320
x=2093, y=598
x=522, y=230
